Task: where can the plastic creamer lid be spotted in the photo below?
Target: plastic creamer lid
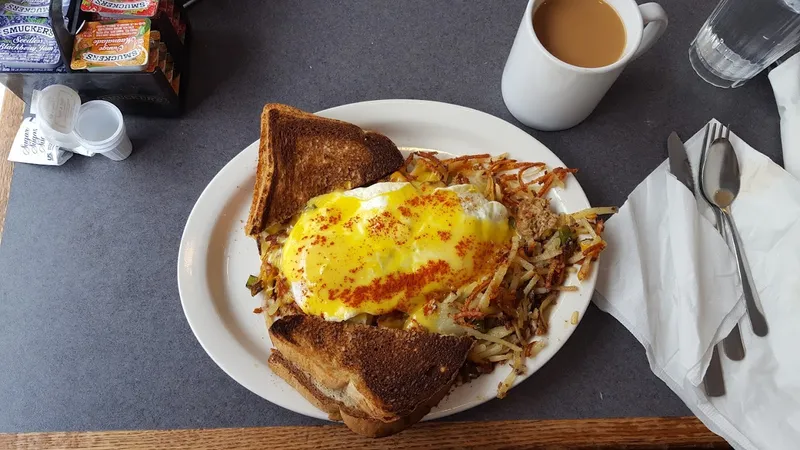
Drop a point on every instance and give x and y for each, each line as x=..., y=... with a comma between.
x=56, y=108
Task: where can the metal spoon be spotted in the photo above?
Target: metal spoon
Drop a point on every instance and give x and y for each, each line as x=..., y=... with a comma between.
x=732, y=343
x=720, y=182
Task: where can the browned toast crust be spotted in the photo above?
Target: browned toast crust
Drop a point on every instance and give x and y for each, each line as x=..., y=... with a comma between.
x=302, y=155
x=300, y=381
x=355, y=420
x=393, y=371
x=374, y=428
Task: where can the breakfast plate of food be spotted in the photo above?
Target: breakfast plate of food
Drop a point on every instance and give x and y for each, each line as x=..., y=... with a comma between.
x=387, y=261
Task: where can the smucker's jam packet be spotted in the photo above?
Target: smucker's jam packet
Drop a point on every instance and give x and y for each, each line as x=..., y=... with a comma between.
x=139, y=8
x=5, y=69
x=112, y=46
x=36, y=8
x=152, y=58
x=27, y=43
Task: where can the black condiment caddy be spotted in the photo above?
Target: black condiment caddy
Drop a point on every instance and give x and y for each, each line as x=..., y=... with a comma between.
x=142, y=93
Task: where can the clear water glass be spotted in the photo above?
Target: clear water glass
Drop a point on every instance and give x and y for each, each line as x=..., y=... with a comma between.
x=742, y=37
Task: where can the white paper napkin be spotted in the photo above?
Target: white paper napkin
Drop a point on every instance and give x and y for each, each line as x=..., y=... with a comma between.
x=670, y=279
x=785, y=81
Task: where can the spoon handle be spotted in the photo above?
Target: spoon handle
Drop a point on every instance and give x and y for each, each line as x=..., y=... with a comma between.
x=732, y=344
x=757, y=320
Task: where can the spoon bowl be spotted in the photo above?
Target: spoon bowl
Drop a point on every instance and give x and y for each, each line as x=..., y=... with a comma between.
x=721, y=178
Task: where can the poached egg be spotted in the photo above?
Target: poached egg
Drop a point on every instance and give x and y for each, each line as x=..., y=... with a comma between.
x=392, y=247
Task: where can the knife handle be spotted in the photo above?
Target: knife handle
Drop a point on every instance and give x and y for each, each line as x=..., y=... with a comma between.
x=713, y=381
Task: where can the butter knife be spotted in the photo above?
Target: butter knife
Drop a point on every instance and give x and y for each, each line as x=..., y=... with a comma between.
x=679, y=166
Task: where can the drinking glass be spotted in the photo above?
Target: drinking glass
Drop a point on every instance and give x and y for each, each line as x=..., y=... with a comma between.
x=742, y=37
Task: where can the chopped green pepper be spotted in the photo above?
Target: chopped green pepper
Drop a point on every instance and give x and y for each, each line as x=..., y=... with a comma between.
x=251, y=280
x=565, y=234
x=479, y=325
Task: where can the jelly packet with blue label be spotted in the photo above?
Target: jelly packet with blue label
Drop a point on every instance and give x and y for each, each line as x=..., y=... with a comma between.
x=28, y=42
x=36, y=8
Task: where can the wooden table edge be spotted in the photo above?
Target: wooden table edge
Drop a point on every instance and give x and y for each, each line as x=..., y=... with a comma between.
x=663, y=432
x=11, y=111
x=630, y=433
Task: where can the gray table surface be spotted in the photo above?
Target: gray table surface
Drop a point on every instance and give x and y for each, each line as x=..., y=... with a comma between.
x=92, y=335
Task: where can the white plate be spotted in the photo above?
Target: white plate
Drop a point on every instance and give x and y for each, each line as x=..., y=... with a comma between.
x=216, y=257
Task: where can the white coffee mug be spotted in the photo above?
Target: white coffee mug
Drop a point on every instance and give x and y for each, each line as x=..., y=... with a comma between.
x=548, y=94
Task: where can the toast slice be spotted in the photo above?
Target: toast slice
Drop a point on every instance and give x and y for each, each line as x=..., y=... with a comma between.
x=302, y=155
x=379, y=381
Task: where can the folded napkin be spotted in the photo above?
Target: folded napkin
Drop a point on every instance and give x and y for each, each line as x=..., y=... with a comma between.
x=785, y=81
x=669, y=278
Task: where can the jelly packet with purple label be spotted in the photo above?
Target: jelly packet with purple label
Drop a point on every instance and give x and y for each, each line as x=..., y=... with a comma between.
x=37, y=8
x=28, y=42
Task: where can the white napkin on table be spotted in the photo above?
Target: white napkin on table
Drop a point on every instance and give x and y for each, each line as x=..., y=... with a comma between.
x=669, y=278
x=785, y=81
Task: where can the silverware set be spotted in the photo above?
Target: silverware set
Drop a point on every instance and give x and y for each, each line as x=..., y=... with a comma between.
x=719, y=185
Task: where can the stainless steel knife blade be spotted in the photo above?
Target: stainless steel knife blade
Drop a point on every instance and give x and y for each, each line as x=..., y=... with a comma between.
x=679, y=162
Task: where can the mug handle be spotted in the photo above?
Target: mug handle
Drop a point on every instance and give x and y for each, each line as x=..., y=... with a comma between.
x=655, y=24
